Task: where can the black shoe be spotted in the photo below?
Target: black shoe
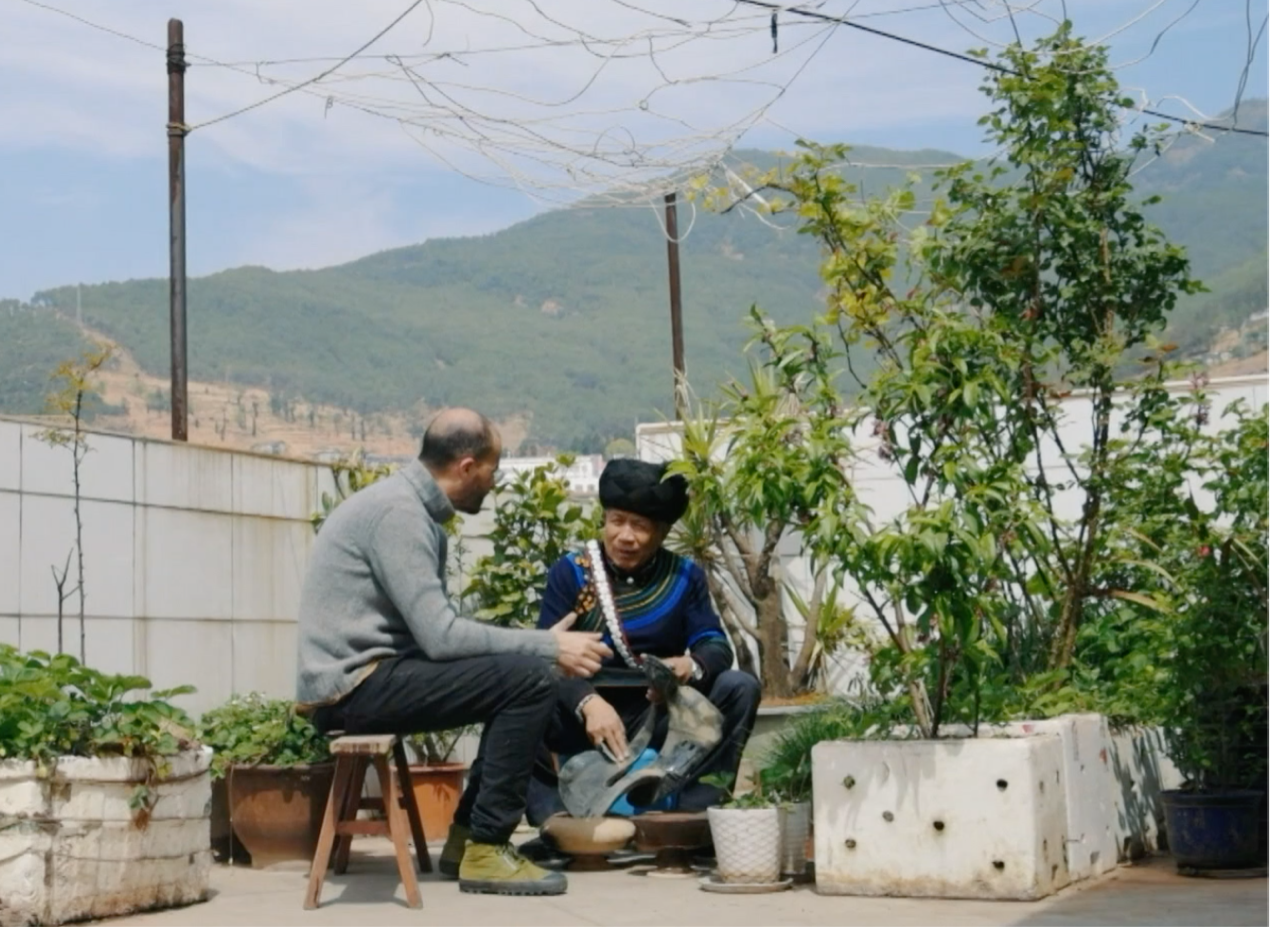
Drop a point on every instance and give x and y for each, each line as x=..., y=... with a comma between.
x=542, y=853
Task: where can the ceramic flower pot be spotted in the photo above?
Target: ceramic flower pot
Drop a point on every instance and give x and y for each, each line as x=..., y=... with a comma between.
x=748, y=842
x=1215, y=830
x=796, y=838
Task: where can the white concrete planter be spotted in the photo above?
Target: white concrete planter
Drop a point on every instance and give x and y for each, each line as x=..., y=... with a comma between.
x=69, y=849
x=1018, y=812
x=1113, y=778
x=748, y=843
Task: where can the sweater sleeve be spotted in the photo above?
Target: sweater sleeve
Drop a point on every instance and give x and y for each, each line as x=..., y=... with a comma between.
x=405, y=562
x=560, y=593
x=705, y=638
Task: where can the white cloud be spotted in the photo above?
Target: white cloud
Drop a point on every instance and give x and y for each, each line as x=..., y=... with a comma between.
x=66, y=86
x=110, y=93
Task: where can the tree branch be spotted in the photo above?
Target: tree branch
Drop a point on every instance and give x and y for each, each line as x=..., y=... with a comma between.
x=812, y=614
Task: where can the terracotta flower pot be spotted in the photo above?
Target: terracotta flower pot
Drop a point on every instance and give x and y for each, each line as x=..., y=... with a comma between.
x=277, y=811
x=225, y=846
x=437, y=788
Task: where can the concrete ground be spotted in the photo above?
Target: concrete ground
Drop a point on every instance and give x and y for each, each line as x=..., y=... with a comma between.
x=370, y=894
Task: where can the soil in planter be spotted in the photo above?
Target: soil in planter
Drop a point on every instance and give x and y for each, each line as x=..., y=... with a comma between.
x=278, y=810
x=803, y=698
x=437, y=789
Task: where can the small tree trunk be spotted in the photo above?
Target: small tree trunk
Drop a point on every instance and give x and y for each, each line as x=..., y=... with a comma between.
x=78, y=456
x=738, y=637
x=772, y=625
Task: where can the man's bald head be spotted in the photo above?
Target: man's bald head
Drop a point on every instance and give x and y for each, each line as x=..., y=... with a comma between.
x=458, y=433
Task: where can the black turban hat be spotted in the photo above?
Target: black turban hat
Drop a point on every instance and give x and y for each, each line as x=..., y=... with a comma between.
x=640, y=488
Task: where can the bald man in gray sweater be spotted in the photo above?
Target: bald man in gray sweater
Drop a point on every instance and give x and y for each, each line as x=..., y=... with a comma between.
x=382, y=649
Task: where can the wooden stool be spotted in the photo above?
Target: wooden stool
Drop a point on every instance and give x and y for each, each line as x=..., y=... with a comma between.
x=341, y=822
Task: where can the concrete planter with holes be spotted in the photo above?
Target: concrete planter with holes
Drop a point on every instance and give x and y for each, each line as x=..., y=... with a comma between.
x=953, y=817
x=71, y=848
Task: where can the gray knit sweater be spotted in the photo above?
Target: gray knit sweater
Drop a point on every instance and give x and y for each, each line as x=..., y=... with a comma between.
x=376, y=587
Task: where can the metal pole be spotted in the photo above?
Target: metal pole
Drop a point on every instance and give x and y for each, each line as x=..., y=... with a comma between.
x=177, y=221
x=680, y=397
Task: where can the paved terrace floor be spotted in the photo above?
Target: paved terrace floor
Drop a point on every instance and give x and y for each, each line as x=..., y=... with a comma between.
x=1147, y=894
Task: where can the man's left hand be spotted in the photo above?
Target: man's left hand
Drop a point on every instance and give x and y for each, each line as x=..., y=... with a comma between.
x=681, y=667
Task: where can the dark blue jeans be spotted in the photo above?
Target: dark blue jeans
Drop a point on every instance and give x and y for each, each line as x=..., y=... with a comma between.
x=513, y=697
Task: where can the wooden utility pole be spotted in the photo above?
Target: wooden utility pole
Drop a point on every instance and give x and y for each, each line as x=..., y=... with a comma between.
x=177, y=222
x=680, y=396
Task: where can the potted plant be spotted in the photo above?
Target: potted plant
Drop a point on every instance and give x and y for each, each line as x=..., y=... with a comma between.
x=1218, y=720
x=277, y=773
x=787, y=771
x=1217, y=738
x=102, y=791
x=747, y=835
x=437, y=780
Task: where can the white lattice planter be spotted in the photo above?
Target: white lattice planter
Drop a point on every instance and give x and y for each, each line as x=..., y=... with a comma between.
x=69, y=849
x=1101, y=789
x=748, y=843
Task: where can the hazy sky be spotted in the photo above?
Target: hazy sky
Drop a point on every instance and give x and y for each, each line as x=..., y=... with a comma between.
x=527, y=95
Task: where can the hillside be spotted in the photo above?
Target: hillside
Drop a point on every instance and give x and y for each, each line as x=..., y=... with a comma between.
x=564, y=319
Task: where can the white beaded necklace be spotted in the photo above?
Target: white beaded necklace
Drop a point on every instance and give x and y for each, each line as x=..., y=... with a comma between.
x=607, y=601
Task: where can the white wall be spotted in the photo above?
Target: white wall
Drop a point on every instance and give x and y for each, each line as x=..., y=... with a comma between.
x=193, y=558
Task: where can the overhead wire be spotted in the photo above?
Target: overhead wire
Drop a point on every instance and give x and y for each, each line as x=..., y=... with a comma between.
x=318, y=77
x=969, y=59
x=569, y=142
x=1251, y=56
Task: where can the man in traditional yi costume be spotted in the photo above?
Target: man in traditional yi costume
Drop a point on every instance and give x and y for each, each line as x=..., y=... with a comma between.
x=646, y=602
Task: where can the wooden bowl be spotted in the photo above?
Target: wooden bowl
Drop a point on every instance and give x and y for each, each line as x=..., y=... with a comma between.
x=682, y=830
x=585, y=836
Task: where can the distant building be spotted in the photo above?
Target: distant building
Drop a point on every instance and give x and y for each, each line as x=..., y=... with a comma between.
x=582, y=475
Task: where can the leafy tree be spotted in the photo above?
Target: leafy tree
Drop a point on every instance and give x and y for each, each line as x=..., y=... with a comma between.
x=1027, y=283
x=535, y=524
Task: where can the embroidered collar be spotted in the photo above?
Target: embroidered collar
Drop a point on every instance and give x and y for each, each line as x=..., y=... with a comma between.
x=639, y=576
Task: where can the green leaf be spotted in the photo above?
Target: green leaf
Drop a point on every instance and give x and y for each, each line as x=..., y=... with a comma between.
x=1145, y=601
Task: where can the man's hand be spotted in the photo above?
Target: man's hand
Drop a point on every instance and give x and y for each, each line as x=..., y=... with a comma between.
x=578, y=653
x=603, y=724
x=681, y=668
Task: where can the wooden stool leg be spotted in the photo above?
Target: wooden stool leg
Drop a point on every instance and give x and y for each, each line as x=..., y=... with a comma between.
x=318, y=869
x=398, y=829
x=349, y=811
x=413, y=810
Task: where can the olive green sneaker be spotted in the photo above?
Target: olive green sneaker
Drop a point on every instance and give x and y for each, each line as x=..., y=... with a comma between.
x=501, y=870
x=453, y=851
